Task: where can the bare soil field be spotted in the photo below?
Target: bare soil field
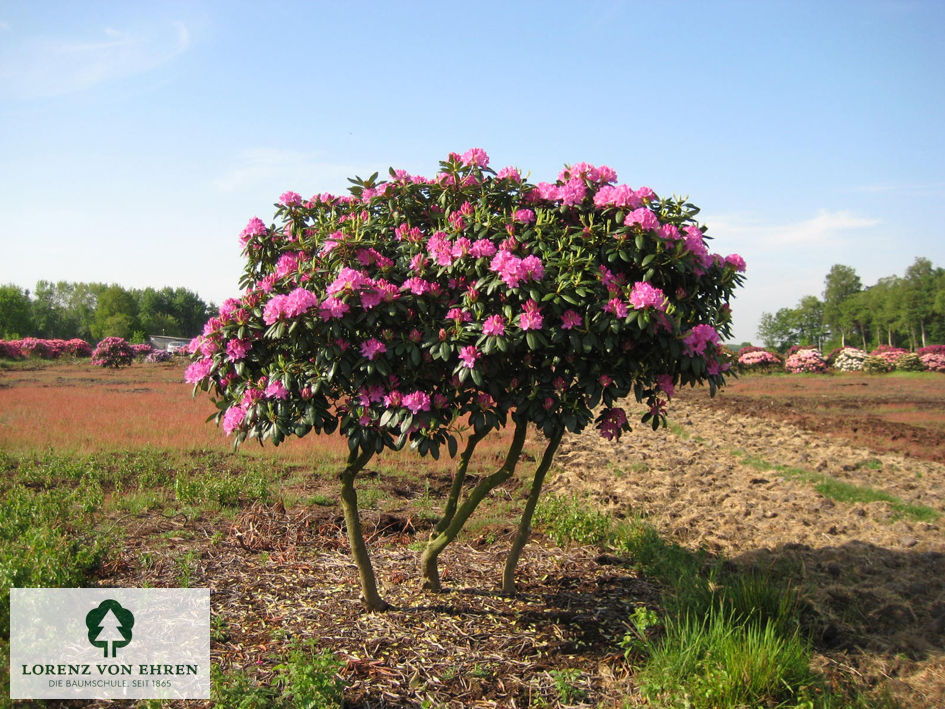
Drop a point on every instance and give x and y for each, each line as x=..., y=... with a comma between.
x=770, y=473
x=774, y=473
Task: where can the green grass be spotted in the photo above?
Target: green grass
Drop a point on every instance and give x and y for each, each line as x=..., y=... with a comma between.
x=722, y=637
x=842, y=491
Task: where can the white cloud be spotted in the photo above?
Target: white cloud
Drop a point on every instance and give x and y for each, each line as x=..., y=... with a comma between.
x=43, y=67
x=825, y=228
x=275, y=170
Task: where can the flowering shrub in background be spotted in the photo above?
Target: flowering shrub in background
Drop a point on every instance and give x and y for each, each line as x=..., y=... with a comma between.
x=44, y=349
x=757, y=359
x=113, y=352
x=889, y=354
x=143, y=350
x=10, y=350
x=910, y=362
x=933, y=361
x=849, y=359
x=410, y=307
x=805, y=361
x=875, y=364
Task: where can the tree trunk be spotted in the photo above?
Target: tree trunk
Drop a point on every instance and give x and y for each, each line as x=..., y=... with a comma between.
x=349, y=502
x=457, y=487
x=922, y=325
x=428, y=559
x=525, y=524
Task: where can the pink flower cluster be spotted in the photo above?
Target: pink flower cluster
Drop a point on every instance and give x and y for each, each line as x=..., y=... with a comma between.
x=806, y=361
x=758, y=358
x=699, y=338
x=612, y=423
x=513, y=270
x=44, y=349
x=645, y=295
x=933, y=361
x=289, y=306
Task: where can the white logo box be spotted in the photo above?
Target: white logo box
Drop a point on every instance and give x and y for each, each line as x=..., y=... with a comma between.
x=109, y=643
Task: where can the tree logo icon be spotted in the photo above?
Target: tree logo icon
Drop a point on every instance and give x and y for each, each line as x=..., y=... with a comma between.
x=109, y=624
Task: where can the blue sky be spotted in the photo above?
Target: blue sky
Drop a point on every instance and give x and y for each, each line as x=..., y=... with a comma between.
x=137, y=138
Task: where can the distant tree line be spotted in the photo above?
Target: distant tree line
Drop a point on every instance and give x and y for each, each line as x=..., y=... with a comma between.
x=906, y=311
x=92, y=311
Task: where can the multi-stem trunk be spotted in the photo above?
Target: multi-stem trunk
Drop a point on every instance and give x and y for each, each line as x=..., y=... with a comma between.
x=457, y=488
x=428, y=559
x=349, y=502
x=525, y=524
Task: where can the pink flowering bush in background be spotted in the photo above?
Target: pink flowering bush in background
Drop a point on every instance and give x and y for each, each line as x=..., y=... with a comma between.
x=44, y=349
x=757, y=359
x=113, y=352
x=889, y=354
x=933, y=361
x=412, y=307
x=808, y=361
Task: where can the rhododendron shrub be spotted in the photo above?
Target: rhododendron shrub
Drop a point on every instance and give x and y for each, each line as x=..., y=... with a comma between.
x=757, y=359
x=877, y=365
x=849, y=359
x=808, y=361
x=411, y=308
x=10, y=350
x=113, y=352
x=933, y=361
x=909, y=362
x=888, y=353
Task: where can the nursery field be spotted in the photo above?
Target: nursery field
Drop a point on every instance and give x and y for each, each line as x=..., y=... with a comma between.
x=831, y=485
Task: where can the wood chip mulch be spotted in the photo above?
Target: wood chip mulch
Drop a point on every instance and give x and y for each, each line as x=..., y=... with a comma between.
x=277, y=576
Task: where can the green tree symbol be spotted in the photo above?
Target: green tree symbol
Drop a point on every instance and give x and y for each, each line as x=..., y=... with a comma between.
x=109, y=623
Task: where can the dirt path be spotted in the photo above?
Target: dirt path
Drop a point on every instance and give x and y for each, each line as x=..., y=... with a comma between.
x=875, y=577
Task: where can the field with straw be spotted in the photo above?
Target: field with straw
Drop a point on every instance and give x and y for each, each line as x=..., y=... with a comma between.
x=779, y=545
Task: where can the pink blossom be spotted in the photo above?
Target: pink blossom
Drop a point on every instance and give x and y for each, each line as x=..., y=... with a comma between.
x=370, y=299
x=621, y=196
x=670, y=232
x=461, y=247
x=698, y=338
x=290, y=198
x=440, y=249
x=532, y=268
x=439, y=401
x=233, y=419
x=348, y=279
x=665, y=383
x=393, y=399
x=494, y=326
x=417, y=286
x=255, y=227
x=571, y=319
x=644, y=217
x=476, y=157
x=612, y=423
x=617, y=307
x=509, y=173
x=572, y=192
x=469, y=354
x=332, y=308
x=198, y=371
x=482, y=248
x=371, y=348
x=458, y=315
x=605, y=380
x=417, y=401
x=276, y=390
x=237, y=349
x=524, y=215
x=736, y=262
x=645, y=295
x=531, y=318
x=415, y=335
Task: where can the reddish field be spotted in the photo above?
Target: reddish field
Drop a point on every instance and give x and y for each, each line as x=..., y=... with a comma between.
x=902, y=413
x=75, y=407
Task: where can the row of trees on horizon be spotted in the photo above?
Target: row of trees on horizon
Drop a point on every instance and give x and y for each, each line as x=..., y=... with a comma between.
x=93, y=311
x=901, y=311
